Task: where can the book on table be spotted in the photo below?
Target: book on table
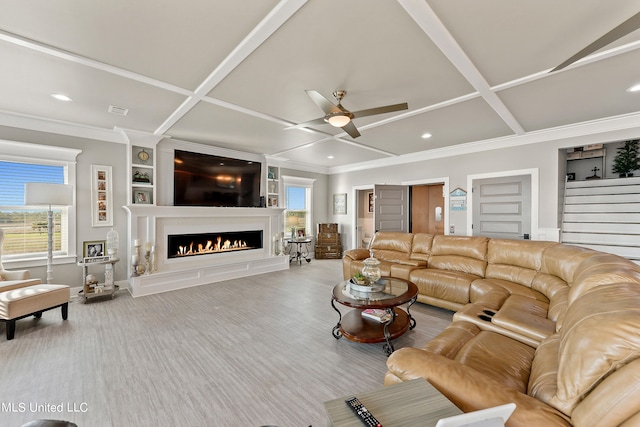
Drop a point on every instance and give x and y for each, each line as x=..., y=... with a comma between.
x=377, y=314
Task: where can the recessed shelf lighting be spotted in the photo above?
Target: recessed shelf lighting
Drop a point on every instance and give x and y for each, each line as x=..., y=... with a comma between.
x=61, y=97
x=426, y=135
x=634, y=88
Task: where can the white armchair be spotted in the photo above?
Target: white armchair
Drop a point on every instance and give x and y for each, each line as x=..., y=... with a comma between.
x=13, y=277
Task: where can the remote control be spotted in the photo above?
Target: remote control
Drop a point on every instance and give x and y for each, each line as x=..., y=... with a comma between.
x=362, y=412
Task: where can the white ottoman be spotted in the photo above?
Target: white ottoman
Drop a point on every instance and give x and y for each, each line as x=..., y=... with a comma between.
x=32, y=301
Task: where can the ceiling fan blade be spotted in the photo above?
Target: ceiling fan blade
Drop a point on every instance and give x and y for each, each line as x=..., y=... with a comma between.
x=621, y=30
x=350, y=128
x=315, y=122
x=322, y=102
x=381, y=110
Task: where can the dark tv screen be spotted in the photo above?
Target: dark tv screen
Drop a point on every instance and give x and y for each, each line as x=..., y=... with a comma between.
x=208, y=180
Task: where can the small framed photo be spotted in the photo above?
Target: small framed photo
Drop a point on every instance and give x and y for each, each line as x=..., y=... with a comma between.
x=142, y=197
x=340, y=204
x=300, y=232
x=94, y=248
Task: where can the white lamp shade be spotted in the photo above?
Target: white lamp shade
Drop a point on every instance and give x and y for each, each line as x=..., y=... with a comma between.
x=43, y=193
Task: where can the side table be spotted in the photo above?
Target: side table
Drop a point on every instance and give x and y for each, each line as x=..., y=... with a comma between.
x=408, y=404
x=108, y=288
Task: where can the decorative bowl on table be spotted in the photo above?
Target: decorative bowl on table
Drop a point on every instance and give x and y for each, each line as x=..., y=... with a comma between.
x=365, y=286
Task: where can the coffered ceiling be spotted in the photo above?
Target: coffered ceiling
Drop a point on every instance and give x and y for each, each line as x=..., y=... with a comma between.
x=234, y=73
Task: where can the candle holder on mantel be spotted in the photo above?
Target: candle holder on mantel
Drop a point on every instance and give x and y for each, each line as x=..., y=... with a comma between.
x=147, y=258
x=135, y=258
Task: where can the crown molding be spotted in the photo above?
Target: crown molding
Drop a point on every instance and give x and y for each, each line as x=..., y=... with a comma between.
x=59, y=127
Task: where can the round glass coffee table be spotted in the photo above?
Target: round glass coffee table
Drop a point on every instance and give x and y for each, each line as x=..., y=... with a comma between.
x=356, y=326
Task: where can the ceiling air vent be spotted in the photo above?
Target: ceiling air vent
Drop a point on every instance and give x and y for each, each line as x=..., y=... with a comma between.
x=118, y=110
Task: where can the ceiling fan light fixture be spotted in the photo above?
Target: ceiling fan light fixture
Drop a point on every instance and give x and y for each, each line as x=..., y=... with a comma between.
x=338, y=119
x=634, y=88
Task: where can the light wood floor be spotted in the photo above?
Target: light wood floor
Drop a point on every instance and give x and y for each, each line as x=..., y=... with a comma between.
x=246, y=352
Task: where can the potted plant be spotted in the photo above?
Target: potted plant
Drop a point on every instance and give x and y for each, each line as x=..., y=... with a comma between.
x=626, y=160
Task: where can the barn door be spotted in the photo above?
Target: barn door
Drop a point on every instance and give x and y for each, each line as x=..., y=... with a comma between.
x=502, y=207
x=391, y=208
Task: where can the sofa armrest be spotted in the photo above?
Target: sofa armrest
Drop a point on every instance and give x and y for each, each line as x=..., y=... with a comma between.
x=469, y=389
x=357, y=254
x=15, y=274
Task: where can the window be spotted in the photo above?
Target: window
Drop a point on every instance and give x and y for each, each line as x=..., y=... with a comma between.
x=25, y=227
x=298, y=213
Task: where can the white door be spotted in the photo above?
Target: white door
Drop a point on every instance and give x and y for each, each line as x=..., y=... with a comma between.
x=502, y=207
x=391, y=208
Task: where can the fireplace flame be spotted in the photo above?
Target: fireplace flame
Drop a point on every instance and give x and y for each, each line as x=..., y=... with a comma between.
x=210, y=247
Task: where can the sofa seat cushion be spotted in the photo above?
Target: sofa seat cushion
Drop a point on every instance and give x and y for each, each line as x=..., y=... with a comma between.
x=443, y=284
x=503, y=359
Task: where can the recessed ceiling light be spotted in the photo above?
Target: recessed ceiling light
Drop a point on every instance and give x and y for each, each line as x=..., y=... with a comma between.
x=329, y=157
x=61, y=97
x=634, y=88
x=426, y=135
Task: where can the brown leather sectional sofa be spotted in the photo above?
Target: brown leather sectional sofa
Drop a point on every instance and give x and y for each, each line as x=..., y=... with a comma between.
x=553, y=328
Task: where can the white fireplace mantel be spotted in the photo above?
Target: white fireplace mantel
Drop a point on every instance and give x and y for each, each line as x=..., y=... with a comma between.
x=153, y=224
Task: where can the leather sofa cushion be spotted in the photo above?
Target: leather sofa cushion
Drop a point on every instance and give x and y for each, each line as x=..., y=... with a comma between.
x=466, y=246
x=422, y=244
x=443, y=284
x=603, y=269
x=600, y=335
x=459, y=253
x=518, y=253
x=391, y=245
x=563, y=260
x=521, y=276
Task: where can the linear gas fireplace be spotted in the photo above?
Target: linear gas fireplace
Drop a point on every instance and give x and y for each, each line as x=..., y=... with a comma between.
x=188, y=245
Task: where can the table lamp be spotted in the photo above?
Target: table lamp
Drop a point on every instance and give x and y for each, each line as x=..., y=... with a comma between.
x=48, y=194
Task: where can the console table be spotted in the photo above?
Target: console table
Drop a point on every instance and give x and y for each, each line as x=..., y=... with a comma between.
x=108, y=288
x=408, y=404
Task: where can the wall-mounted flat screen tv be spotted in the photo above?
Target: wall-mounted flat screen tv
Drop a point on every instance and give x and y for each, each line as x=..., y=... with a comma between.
x=208, y=180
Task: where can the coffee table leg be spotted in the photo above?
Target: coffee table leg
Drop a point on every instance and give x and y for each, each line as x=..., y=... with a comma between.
x=387, y=347
x=412, y=321
x=336, y=329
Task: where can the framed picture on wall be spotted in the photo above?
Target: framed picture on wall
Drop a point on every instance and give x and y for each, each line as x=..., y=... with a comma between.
x=340, y=203
x=370, y=195
x=101, y=196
